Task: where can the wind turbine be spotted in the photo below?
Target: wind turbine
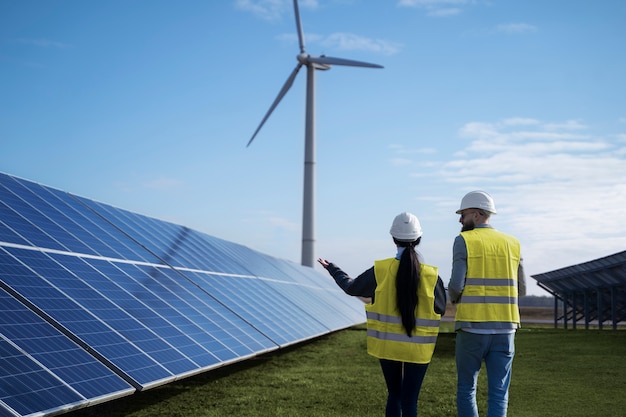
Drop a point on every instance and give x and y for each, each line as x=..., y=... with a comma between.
x=311, y=63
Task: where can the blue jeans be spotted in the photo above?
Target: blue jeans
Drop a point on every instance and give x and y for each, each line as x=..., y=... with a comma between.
x=497, y=350
x=404, y=381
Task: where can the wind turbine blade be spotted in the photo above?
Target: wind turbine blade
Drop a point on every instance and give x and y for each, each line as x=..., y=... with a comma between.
x=327, y=60
x=299, y=26
x=280, y=96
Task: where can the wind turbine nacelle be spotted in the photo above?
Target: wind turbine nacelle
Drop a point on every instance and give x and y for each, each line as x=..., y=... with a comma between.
x=322, y=67
x=308, y=60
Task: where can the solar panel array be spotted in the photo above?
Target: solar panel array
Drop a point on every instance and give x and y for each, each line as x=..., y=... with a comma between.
x=97, y=302
x=593, y=290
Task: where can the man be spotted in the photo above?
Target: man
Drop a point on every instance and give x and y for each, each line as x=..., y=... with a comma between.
x=487, y=278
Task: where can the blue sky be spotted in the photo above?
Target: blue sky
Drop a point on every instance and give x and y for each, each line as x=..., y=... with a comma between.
x=149, y=105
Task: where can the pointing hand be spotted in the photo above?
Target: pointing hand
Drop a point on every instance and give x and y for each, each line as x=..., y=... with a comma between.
x=323, y=262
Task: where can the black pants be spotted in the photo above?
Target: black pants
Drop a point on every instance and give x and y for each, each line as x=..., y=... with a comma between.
x=404, y=381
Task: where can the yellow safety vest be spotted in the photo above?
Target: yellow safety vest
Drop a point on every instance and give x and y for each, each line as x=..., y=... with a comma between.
x=386, y=337
x=490, y=297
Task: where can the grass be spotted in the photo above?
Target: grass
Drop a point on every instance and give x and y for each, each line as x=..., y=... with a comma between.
x=556, y=372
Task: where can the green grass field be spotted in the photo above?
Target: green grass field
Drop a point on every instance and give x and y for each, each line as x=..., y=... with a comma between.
x=556, y=372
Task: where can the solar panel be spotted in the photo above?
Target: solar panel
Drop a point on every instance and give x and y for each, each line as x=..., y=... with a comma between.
x=99, y=302
x=42, y=370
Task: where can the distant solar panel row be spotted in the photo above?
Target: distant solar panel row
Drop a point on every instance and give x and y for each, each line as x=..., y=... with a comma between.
x=97, y=302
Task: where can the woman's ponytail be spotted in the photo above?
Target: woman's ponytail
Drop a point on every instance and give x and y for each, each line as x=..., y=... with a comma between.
x=407, y=282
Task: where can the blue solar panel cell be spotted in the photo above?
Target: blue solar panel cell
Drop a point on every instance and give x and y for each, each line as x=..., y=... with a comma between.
x=82, y=223
x=176, y=245
x=92, y=228
x=56, y=353
x=255, y=262
x=345, y=306
x=139, y=300
x=279, y=318
x=160, y=243
x=27, y=387
x=135, y=322
x=231, y=337
x=324, y=307
x=23, y=228
x=37, y=211
x=7, y=234
x=101, y=336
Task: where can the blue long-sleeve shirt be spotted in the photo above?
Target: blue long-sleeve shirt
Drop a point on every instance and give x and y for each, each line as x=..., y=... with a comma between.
x=365, y=285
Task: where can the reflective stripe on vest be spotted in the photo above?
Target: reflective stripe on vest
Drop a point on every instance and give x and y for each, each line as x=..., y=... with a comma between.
x=386, y=336
x=395, y=337
x=401, y=337
x=398, y=320
x=489, y=298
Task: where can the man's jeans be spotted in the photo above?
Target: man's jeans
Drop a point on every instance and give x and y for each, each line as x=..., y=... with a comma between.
x=497, y=350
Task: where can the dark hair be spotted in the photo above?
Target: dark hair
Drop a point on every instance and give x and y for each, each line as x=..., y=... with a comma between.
x=407, y=281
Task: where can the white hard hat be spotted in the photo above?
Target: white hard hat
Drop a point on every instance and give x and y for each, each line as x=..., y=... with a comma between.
x=478, y=200
x=406, y=227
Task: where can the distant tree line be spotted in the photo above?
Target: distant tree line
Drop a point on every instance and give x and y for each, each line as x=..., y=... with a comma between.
x=536, y=301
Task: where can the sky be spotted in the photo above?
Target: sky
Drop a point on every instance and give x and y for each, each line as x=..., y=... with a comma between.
x=148, y=106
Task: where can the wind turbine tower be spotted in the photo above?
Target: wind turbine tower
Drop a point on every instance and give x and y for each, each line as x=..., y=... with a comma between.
x=311, y=63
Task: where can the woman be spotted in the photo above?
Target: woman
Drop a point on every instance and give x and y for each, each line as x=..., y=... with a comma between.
x=407, y=301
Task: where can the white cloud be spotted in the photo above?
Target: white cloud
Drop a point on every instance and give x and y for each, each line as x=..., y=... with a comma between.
x=568, y=125
x=561, y=193
x=516, y=28
x=272, y=9
x=275, y=9
x=352, y=42
x=429, y=3
x=559, y=187
x=405, y=156
x=444, y=12
x=265, y=9
x=435, y=8
x=503, y=135
x=400, y=161
x=517, y=121
x=311, y=4
x=401, y=150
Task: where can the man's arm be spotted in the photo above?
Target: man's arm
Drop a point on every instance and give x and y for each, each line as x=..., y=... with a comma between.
x=459, y=269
